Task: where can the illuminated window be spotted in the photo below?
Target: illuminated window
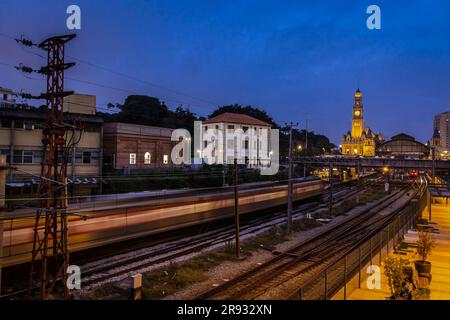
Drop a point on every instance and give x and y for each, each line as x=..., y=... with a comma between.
x=132, y=158
x=147, y=158
x=165, y=159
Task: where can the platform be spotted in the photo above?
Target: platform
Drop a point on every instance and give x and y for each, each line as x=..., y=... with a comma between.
x=439, y=258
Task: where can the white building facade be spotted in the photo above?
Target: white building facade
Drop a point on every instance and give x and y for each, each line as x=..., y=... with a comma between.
x=232, y=135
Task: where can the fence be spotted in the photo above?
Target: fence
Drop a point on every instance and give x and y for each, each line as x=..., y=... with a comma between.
x=346, y=271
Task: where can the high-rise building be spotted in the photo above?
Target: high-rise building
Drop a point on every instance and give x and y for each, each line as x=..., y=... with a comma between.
x=360, y=141
x=441, y=132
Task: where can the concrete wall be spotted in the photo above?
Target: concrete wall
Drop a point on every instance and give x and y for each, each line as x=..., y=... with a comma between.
x=80, y=103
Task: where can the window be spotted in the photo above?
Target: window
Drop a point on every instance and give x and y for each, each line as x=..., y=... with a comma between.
x=246, y=145
x=230, y=127
x=18, y=124
x=37, y=156
x=206, y=128
x=28, y=125
x=27, y=156
x=165, y=159
x=5, y=123
x=132, y=158
x=245, y=129
x=205, y=144
x=147, y=158
x=86, y=157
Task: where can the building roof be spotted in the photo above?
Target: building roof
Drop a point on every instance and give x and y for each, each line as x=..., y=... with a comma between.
x=229, y=117
x=404, y=139
x=403, y=136
x=136, y=129
x=31, y=113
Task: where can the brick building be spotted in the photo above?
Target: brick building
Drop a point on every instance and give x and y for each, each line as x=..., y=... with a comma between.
x=132, y=146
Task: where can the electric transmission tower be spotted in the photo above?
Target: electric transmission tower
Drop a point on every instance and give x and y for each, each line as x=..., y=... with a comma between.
x=50, y=256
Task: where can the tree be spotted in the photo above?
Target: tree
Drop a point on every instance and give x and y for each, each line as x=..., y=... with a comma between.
x=248, y=110
x=151, y=111
x=145, y=110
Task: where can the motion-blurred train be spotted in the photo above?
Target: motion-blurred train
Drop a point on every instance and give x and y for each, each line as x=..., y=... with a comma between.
x=108, y=219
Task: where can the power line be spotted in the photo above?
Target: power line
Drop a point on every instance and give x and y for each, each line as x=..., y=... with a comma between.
x=110, y=70
x=161, y=98
x=144, y=81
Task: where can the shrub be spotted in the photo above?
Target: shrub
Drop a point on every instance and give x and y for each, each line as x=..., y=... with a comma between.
x=425, y=245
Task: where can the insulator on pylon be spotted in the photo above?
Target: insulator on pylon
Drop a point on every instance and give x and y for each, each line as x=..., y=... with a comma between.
x=25, y=69
x=25, y=95
x=25, y=42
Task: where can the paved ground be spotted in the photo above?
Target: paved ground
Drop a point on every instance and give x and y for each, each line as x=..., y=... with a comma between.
x=440, y=259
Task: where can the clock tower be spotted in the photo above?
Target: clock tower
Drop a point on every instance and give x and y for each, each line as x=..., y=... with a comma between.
x=360, y=140
x=357, y=117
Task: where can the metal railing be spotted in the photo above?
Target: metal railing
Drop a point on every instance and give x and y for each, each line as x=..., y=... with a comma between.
x=337, y=275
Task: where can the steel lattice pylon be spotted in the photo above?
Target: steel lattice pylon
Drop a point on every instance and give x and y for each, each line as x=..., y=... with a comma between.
x=50, y=233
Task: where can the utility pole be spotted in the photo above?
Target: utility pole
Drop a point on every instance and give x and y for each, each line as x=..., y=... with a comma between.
x=306, y=135
x=433, y=169
x=50, y=249
x=289, y=206
x=236, y=207
x=330, y=181
x=306, y=144
x=223, y=175
x=2, y=206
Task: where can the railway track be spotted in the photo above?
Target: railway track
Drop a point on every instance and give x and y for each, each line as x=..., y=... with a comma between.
x=297, y=264
x=115, y=267
x=98, y=273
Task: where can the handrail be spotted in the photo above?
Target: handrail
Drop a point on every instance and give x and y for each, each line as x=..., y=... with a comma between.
x=355, y=246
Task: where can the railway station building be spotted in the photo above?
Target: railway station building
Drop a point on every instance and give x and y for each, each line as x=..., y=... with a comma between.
x=403, y=146
x=361, y=140
x=21, y=135
x=136, y=147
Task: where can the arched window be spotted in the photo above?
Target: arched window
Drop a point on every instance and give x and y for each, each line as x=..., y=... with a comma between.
x=147, y=158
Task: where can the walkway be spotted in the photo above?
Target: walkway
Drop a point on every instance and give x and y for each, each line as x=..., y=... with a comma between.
x=440, y=258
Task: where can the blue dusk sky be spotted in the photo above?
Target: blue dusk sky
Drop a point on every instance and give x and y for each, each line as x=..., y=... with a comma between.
x=291, y=58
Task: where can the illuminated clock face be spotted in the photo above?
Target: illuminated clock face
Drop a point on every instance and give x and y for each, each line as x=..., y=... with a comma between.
x=357, y=113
